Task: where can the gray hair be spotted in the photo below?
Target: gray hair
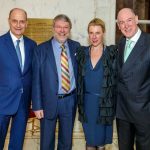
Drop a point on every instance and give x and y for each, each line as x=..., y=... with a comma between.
x=64, y=18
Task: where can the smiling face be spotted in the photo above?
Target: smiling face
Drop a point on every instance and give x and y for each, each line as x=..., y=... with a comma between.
x=17, y=22
x=96, y=35
x=61, y=30
x=127, y=22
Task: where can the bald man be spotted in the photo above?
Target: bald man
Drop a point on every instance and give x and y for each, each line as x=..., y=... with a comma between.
x=133, y=103
x=15, y=79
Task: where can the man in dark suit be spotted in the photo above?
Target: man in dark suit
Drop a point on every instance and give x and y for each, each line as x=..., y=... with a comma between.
x=54, y=85
x=15, y=79
x=133, y=103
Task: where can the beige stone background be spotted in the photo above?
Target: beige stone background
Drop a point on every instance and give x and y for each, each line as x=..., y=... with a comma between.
x=80, y=13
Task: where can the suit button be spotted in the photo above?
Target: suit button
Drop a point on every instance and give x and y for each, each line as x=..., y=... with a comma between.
x=21, y=90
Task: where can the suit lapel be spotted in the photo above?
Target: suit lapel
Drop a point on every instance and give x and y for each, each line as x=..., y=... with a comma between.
x=72, y=55
x=27, y=54
x=135, y=53
x=121, y=52
x=11, y=49
x=51, y=56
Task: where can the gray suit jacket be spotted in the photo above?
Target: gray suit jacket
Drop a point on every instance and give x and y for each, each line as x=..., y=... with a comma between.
x=133, y=101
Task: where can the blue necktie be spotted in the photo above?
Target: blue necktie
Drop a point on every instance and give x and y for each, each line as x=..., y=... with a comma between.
x=19, y=53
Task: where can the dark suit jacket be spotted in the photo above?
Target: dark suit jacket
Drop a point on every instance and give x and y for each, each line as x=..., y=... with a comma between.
x=14, y=84
x=133, y=103
x=45, y=77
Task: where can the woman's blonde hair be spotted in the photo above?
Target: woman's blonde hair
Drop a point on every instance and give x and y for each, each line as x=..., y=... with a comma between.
x=97, y=22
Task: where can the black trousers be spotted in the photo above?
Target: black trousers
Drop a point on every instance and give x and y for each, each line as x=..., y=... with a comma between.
x=130, y=133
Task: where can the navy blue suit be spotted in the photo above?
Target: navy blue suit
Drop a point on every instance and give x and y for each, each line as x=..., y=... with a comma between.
x=45, y=97
x=15, y=90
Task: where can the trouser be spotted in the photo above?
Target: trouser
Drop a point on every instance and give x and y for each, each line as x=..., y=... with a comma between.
x=129, y=132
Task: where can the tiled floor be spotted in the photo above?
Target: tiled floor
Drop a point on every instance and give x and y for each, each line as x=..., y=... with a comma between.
x=32, y=140
x=32, y=143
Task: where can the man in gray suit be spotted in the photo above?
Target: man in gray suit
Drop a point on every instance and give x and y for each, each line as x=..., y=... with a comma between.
x=133, y=102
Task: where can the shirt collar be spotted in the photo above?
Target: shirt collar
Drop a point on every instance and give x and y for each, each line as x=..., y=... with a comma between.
x=14, y=39
x=136, y=36
x=58, y=45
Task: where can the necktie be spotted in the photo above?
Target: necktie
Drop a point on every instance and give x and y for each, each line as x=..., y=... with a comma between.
x=19, y=53
x=65, y=70
x=128, y=49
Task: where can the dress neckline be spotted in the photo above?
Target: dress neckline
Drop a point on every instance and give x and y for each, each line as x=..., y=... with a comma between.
x=89, y=53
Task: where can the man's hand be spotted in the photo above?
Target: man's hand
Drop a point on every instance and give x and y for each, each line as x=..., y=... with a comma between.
x=39, y=114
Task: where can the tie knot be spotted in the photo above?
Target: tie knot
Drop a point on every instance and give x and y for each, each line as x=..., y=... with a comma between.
x=129, y=42
x=62, y=46
x=18, y=41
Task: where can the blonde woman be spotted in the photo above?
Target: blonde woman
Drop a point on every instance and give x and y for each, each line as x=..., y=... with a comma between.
x=96, y=87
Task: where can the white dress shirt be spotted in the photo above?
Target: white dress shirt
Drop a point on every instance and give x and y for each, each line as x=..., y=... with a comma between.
x=22, y=48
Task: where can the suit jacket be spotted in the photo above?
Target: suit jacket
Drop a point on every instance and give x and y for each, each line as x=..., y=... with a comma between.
x=45, y=77
x=15, y=85
x=133, y=102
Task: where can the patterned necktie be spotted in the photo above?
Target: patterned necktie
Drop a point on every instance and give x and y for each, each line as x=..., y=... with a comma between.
x=19, y=53
x=65, y=70
x=128, y=49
